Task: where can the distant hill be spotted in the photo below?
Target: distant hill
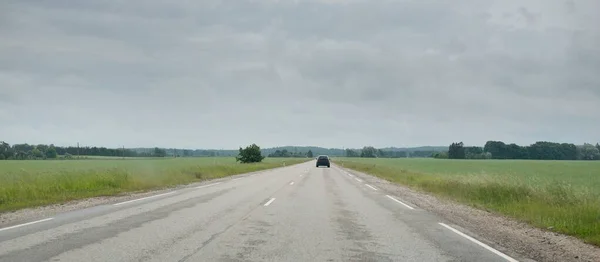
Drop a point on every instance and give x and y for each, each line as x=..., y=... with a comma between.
x=316, y=150
x=413, y=149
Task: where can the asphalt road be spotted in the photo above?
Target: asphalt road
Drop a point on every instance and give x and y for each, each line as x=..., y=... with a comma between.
x=296, y=213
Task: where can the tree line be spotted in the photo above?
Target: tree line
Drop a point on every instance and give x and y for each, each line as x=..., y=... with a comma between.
x=541, y=150
x=41, y=151
x=285, y=153
x=372, y=152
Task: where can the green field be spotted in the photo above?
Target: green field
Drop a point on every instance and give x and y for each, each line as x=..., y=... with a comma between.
x=561, y=195
x=32, y=183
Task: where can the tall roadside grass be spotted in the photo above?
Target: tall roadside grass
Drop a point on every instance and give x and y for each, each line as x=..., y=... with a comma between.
x=563, y=196
x=36, y=183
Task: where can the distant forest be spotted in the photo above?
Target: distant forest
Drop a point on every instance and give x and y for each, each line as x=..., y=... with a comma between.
x=27, y=151
x=538, y=151
x=491, y=150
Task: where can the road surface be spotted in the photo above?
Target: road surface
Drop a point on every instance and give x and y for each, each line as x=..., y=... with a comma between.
x=295, y=213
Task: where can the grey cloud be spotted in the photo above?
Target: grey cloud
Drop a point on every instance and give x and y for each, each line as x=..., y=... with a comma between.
x=529, y=17
x=228, y=73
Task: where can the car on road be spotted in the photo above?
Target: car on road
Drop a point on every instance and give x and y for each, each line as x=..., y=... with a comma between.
x=323, y=161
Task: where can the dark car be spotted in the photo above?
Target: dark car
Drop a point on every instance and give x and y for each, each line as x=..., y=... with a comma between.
x=323, y=161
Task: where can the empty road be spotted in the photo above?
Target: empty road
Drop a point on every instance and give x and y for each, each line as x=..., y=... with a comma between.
x=295, y=213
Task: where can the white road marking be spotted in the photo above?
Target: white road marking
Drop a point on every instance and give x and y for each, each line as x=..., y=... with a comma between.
x=292, y=183
x=301, y=175
x=270, y=201
x=357, y=179
x=398, y=201
x=26, y=224
x=372, y=187
x=479, y=243
x=349, y=174
x=143, y=198
x=236, y=178
x=213, y=184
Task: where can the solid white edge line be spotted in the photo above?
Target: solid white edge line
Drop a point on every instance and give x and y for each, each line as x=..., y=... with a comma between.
x=143, y=198
x=479, y=243
x=372, y=187
x=26, y=224
x=358, y=179
x=213, y=184
x=400, y=202
x=270, y=201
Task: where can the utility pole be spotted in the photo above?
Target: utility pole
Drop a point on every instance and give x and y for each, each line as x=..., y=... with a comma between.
x=77, y=150
x=123, y=152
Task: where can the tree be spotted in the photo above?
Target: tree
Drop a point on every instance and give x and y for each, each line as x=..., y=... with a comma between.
x=543, y=150
x=37, y=153
x=351, y=153
x=51, y=152
x=5, y=150
x=474, y=152
x=496, y=148
x=251, y=154
x=159, y=152
x=588, y=152
x=456, y=151
x=309, y=154
x=21, y=155
x=440, y=155
x=369, y=151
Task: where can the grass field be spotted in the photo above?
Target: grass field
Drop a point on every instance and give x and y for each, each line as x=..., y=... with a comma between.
x=561, y=195
x=36, y=183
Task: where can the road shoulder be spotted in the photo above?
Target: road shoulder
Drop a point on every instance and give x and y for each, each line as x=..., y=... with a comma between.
x=515, y=236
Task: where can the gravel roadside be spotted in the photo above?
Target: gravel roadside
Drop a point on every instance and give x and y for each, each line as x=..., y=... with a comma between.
x=505, y=234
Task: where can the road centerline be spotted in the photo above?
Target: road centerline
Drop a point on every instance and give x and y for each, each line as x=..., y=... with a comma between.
x=269, y=202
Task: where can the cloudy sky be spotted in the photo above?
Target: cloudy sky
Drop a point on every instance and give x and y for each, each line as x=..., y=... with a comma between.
x=333, y=73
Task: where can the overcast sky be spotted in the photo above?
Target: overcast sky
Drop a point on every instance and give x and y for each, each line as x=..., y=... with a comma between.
x=332, y=73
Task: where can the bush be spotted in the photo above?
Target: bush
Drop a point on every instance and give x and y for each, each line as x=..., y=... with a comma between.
x=250, y=154
x=441, y=155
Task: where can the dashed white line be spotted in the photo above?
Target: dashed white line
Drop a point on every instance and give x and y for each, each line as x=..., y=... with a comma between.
x=349, y=174
x=26, y=224
x=236, y=179
x=358, y=179
x=144, y=198
x=398, y=201
x=213, y=184
x=372, y=187
x=292, y=183
x=270, y=201
x=479, y=243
